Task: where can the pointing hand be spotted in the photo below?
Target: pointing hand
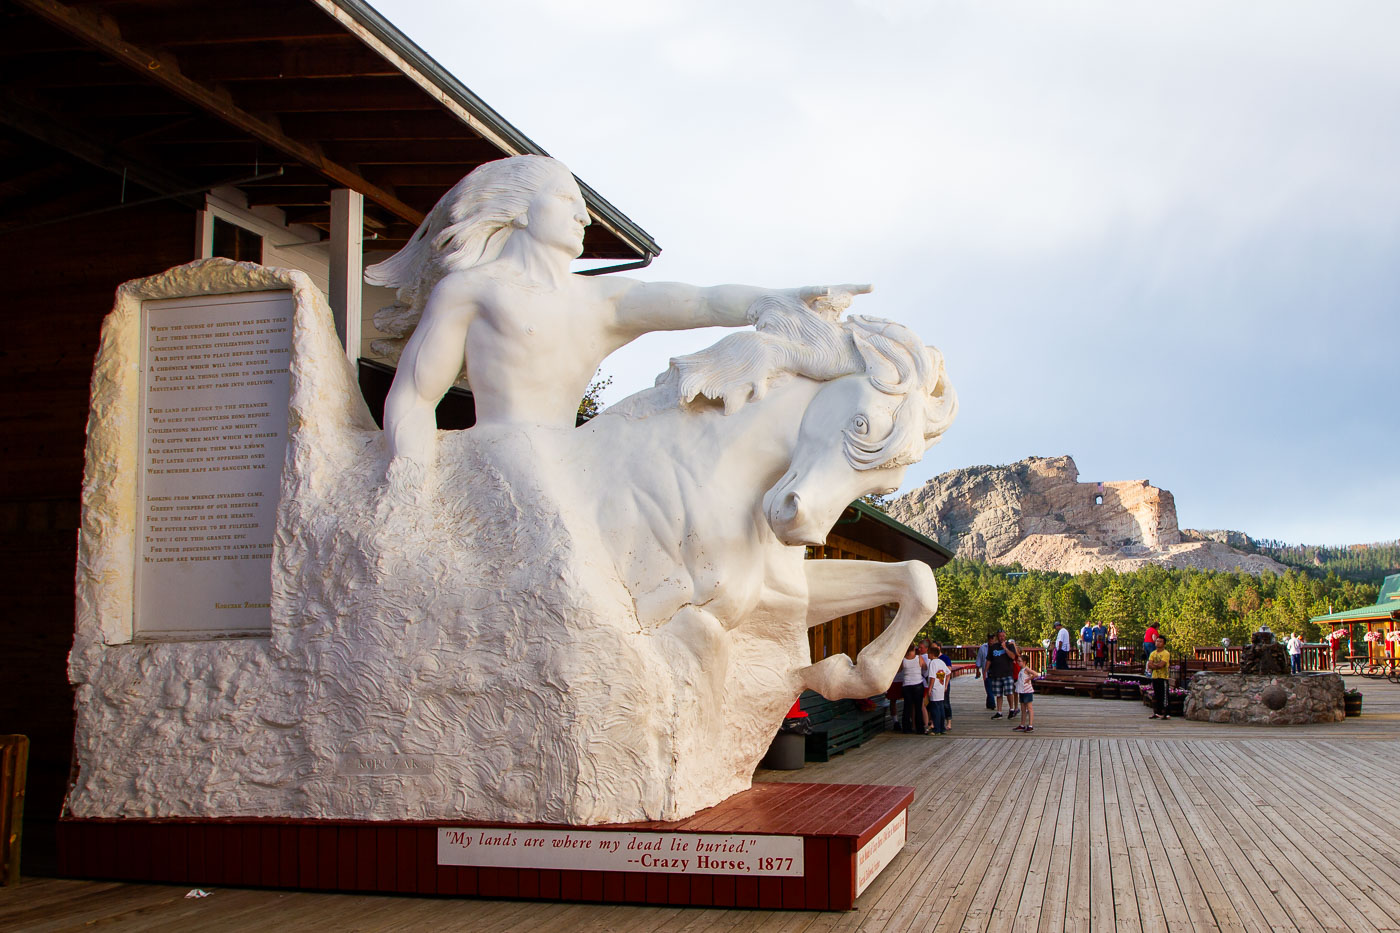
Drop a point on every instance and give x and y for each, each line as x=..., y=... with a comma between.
x=830, y=300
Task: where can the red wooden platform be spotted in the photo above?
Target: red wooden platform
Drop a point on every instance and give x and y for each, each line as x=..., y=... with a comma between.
x=833, y=820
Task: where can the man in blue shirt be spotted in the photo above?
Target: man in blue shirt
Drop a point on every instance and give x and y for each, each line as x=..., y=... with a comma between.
x=1086, y=644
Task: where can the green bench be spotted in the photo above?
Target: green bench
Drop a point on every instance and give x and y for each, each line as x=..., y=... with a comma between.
x=840, y=724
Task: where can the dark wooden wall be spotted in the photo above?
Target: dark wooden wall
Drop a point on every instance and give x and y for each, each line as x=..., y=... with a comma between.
x=59, y=282
x=851, y=633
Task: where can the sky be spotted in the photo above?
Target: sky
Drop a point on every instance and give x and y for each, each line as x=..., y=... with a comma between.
x=1161, y=238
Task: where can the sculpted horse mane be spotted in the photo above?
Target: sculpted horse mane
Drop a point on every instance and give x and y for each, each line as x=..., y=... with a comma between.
x=789, y=339
x=898, y=364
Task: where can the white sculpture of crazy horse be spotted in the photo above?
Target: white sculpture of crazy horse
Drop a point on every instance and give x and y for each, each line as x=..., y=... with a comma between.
x=539, y=622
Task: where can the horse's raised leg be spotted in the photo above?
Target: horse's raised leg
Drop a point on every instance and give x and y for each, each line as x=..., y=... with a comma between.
x=839, y=587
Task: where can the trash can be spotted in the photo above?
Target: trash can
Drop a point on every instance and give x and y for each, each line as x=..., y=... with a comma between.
x=789, y=749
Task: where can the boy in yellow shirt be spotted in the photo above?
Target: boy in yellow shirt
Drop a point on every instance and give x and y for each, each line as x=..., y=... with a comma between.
x=1159, y=662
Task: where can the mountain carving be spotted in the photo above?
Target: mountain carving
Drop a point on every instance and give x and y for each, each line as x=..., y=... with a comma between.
x=1037, y=513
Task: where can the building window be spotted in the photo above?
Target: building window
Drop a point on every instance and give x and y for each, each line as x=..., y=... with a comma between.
x=233, y=242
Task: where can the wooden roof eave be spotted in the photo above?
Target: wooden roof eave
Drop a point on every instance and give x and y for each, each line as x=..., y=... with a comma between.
x=1367, y=615
x=91, y=28
x=158, y=50
x=868, y=525
x=378, y=33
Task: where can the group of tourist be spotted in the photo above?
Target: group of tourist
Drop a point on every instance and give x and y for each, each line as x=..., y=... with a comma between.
x=921, y=691
x=922, y=685
x=1007, y=676
x=1098, y=643
x=926, y=673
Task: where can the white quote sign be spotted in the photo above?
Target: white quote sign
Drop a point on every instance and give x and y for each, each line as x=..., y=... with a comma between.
x=213, y=434
x=880, y=850
x=668, y=853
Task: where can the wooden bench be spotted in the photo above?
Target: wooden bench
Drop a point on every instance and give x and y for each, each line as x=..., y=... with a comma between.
x=1072, y=683
x=840, y=724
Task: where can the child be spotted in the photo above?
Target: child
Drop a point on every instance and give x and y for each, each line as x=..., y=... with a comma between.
x=1015, y=672
x=923, y=666
x=947, y=690
x=1025, y=689
x=939, y=675
x=893, y=695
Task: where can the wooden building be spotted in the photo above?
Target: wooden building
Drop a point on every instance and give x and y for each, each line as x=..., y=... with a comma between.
x=1380, y=621
x=866, y=533
x=136, y=135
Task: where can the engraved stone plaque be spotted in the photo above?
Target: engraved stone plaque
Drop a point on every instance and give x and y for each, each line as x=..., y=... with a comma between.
x=623, y=850
x=213, y=434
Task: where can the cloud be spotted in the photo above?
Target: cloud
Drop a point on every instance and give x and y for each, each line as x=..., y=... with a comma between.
x=1160, y=237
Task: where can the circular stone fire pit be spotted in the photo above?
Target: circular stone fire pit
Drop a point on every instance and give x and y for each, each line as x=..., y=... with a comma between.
x=1266, y=699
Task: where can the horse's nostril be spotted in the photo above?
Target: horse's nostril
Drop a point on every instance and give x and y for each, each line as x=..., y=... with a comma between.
x=792, y=503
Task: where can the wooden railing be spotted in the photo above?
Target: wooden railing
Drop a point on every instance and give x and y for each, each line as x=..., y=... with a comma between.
x=1127, y=656
x=1316, y=657
x=1218, y=655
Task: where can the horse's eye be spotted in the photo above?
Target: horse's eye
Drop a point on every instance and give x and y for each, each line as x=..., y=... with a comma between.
x=859, y=424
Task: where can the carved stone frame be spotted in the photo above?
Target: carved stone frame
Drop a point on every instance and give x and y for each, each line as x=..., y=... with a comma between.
x=107, y=546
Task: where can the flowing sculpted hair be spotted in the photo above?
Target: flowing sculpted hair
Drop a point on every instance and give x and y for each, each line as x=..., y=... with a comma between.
x=789, y=339
x=898, y=364
x=468, y=226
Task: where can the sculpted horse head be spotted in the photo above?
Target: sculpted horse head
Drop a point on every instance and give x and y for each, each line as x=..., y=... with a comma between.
x=883, y=399
x=861, y=432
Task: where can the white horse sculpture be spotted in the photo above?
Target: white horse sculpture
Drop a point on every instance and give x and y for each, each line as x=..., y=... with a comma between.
x=845, y=409
x=711, y=484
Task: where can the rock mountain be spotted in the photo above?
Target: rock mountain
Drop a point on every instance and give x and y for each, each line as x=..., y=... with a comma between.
x=1035, y=512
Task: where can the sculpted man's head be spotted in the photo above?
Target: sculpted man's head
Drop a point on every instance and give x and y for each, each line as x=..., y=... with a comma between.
x=472, y=223
x=557, y=213
x=500, y=198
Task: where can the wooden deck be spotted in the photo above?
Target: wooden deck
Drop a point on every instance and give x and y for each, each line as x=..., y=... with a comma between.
x=1101, y=820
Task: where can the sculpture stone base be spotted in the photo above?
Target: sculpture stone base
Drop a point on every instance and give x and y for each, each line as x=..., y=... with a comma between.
x=1270, y=700
x=840, y=837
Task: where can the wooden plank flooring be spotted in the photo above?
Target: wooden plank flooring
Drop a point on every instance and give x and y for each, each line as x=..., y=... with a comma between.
x=1100, y=820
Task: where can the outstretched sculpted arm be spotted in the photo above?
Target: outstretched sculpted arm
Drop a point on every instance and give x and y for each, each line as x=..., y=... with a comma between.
x=643, y=307
x=428, y=367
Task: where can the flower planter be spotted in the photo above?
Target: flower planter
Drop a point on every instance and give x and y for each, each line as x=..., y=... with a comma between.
x=1110, y=691
x=1130, y=691
x=1353, y=704
x=1176, y=706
